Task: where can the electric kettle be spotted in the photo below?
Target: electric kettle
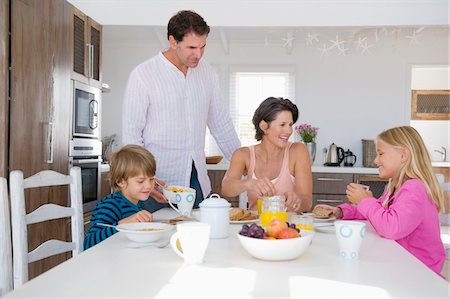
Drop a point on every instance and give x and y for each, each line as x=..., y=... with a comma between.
x=349, y=159
x=335, y=155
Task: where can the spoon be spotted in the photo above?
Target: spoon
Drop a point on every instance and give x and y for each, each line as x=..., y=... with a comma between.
x=161, y=244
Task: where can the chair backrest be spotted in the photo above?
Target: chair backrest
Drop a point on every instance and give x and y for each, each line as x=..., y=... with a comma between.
x=6, y=283
x=20, y=220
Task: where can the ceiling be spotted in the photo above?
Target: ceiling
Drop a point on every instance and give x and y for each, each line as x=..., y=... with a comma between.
x=271, y=13
x=265, y=20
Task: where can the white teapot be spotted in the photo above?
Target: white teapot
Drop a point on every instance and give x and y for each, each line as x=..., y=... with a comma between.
x=216, y=211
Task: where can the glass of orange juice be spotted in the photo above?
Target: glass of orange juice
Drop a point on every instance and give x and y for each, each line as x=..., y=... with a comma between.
x=273, y=207
x=259, y=203
x=303, y=222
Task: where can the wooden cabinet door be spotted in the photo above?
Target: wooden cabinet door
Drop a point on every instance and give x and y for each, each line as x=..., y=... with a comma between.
x=40, y=107
x=4, y=110
x=86, y=40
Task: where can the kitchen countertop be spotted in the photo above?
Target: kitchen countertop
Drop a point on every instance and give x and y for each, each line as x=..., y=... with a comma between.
x=315, y=168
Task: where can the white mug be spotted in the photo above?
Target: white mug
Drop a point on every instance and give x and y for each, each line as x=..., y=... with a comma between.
x=350, y=235
x=185, y=202
x=193, y=239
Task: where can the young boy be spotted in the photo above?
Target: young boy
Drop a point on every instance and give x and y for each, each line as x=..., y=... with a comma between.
x=132, y=176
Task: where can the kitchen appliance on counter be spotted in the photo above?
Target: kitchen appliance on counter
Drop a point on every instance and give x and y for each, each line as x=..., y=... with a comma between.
x=349, y=158
x=86, y=153
x=335, y=155
x=86, y=111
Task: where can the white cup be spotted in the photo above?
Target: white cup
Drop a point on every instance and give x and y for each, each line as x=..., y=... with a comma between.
x=193, y=238
x=350, y=235
x=184, y=201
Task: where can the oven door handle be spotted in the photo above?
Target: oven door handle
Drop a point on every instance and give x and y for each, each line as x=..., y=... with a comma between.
x=86, y=161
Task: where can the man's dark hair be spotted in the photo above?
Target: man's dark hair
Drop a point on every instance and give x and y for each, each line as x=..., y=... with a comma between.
x=268, y=111
x=186, y=21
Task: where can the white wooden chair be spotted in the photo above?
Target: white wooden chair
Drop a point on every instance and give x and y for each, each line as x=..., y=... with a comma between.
x=20, y=220
x=6, y=283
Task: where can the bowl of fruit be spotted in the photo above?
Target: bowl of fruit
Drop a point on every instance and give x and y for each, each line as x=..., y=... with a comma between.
x=281, y=241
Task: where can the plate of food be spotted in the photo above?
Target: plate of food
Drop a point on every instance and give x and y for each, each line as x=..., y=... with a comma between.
x=321, y=214
x=240, y=216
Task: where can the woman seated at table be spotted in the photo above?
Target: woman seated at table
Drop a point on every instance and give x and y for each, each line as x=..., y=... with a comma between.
x=275, y=166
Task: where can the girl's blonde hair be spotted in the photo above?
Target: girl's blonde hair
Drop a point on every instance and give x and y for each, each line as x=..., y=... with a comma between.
x=131, y=160
x=418, y=165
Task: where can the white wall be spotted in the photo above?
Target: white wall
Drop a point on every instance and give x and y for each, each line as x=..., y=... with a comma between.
x=349, y=98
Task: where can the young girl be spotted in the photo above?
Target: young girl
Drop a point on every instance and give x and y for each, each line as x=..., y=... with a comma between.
x=407, y=212
x=132, y=178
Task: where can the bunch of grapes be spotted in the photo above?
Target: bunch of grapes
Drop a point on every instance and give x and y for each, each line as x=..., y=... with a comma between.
x=253, y=231
x=292, y=225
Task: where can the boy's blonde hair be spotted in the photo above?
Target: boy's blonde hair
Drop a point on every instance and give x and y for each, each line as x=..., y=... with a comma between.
x=418, y=165
x=131, y=160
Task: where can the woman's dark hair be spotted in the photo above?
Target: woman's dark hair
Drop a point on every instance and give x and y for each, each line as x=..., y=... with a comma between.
x=184, y=22
x=268, y=111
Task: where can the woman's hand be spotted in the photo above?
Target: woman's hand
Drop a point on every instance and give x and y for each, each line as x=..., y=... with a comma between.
x=262, y=187
x=141, y=216
x=157, y=193
x=293, y=202
x=337, y=212
x=356, y=192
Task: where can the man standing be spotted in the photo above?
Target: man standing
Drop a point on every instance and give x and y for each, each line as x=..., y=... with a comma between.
x=169, y=101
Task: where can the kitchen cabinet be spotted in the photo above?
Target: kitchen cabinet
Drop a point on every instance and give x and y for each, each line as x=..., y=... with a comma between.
x=4, y=110
x=216, y=177
x=430, y=105
x=86, y=40
x=39, y=108
x=329, y=188
x=446, y=172
x=105, y=186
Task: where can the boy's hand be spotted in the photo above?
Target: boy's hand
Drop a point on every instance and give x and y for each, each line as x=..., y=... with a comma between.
x=141, y=216
x=157, y=193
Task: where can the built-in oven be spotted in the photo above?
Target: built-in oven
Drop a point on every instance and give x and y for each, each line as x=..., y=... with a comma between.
x=86, y=111
x=87, y=154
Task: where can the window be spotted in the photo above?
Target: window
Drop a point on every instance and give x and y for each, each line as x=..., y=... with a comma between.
x=249, y=86
x=248, y=90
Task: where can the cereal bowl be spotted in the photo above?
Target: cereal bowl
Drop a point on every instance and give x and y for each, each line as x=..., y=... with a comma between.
x=171, y=192
x=144, y=232
x=279, y=249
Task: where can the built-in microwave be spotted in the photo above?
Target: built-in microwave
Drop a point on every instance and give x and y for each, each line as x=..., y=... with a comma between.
x=86, y=111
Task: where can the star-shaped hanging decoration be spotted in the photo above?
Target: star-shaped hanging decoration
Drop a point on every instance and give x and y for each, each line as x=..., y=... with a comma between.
x=336, y=43
x=311, y=38
x=343, y=50
x=365, y=47
x=414, y=36
x=288, y=40
x=360, y=41
x=323, y=50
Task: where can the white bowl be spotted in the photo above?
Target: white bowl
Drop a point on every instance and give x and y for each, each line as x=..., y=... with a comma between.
x=144, y=232
x=279, y=249
x=171, y=196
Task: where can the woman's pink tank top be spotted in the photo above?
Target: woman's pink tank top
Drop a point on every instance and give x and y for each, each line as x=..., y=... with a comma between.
x=283, y=183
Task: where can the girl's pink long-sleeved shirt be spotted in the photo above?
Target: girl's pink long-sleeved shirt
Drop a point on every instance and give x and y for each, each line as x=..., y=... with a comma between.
x=412, y=220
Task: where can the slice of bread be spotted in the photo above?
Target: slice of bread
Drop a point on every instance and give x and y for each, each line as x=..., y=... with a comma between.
x=237, y=214
x=321, y=212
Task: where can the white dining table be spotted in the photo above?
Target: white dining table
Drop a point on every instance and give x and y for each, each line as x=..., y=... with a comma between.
x=112, y=270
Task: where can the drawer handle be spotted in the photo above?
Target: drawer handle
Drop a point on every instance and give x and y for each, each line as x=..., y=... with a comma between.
x=330, y=179
x=329, y=200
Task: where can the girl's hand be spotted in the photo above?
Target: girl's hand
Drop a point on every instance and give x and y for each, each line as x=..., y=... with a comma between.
x=356, y=192
x=262, y=187
x=141, y=216
x=157, y=192
x=337, y=212
x=293, y=202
